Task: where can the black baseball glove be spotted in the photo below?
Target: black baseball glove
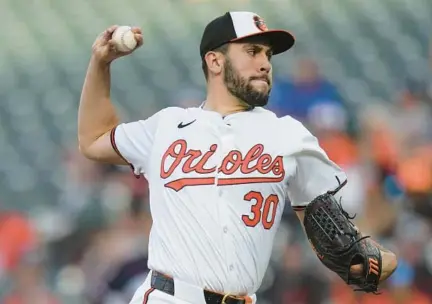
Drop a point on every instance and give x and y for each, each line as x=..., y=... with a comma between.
x=339, y=245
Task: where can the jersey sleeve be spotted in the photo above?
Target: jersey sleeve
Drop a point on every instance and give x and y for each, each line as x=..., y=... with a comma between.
x=315, y=173
x=133, y=142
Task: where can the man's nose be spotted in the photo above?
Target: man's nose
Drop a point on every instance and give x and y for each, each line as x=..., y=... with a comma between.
x=265, y=66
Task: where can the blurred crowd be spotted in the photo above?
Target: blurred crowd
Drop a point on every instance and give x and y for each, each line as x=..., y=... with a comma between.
x=97, y=253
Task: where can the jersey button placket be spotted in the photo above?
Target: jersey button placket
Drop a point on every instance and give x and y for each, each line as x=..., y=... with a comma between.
x=221, y=205
x=227, y=145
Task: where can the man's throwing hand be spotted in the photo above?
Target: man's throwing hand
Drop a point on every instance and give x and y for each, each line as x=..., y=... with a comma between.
x=104, y=49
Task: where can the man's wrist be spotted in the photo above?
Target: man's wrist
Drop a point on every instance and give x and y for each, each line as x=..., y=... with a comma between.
x=100, y=64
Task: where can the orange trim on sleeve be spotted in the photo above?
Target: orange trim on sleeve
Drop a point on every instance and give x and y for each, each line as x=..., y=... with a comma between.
x=114, y=145
x=147, y=294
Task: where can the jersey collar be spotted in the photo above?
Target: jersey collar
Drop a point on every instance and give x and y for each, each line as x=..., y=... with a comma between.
x=249, y=109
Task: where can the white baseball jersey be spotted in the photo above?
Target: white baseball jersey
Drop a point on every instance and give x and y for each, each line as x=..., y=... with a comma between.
x=218, y=186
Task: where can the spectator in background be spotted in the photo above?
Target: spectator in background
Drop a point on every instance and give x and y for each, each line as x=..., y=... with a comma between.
x=115, y=263
x=23, y=261
x=82, y=178
x=17, y=236
x=297, y=96
x=397, y=140
x=413, y=116
x=295, y=281
x=329, y=123
x=29, y=283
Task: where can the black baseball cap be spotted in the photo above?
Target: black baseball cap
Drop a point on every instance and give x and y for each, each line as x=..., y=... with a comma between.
x=235, y=26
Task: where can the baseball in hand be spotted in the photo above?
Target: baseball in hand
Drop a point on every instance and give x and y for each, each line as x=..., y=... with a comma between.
x=124, y=39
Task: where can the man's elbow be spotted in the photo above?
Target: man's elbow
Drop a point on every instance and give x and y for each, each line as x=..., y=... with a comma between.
x=84, y=150
x=87, y=151
x=101, y=150
x=94, y=148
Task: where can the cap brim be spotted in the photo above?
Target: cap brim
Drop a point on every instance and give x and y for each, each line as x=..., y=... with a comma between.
x=279, y=40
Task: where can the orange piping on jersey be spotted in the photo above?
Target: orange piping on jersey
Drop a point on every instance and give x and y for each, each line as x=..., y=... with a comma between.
x=114, y=146
x=147, y=294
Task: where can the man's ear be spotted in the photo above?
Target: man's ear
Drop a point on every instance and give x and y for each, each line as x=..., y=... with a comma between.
x=215, y=62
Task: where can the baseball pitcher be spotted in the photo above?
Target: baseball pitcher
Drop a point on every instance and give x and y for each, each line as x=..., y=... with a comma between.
x=219, y=174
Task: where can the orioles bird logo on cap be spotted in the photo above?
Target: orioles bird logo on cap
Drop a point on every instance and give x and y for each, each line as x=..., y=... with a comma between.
x=260, y=24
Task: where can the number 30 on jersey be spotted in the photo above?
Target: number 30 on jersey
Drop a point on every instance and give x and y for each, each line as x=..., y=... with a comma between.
x=261, y=210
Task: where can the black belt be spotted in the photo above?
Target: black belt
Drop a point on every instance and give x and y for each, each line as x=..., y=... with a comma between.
x=166, y=284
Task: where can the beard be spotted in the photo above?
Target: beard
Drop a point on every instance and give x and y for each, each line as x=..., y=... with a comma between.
x=242, y=88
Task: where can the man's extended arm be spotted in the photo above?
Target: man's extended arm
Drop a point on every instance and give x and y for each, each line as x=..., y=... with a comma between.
x=96, y=115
